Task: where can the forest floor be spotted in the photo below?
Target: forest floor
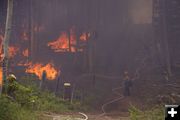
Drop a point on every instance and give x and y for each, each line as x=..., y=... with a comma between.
x=148, y=91
x=79, y=117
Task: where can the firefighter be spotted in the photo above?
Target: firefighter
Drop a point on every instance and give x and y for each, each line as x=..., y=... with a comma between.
x=23, y=95
x=166, y=76
x=127, y=84
x=12, y=85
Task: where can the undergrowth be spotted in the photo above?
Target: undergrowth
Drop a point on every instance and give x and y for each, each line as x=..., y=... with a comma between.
x=29, y=103
x=156, y=113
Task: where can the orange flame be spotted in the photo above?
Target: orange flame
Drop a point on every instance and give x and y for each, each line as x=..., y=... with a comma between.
x=62, y=43
x=85, y=36
x=25, y=53
x=38, y=68
x=13, y=51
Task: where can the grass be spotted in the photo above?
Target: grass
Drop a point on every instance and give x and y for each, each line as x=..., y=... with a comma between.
x=30, y=103
x=156, y=113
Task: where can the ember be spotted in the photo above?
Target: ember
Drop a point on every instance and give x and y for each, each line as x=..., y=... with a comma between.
x=38, y=69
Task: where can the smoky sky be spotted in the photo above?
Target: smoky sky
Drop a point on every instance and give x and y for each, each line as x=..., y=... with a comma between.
x=141, y=11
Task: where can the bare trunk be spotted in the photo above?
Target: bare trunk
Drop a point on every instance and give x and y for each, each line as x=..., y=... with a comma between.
x=32, y=51
x=57, y=85
x=6, y=43
x=165, y=40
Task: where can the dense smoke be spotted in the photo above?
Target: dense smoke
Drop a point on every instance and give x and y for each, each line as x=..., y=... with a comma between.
x=141, y=11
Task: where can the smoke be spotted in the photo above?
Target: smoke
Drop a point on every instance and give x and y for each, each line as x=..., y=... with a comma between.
x=141, y=11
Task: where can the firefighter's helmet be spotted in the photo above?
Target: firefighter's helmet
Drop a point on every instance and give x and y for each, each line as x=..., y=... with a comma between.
x=11, y=77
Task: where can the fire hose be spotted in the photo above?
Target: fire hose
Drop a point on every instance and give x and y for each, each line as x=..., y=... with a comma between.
x=63, y=117
x=110, y=102
x=86, y=117
x=121, y=97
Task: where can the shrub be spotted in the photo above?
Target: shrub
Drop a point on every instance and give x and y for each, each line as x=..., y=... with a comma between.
x=8, y=109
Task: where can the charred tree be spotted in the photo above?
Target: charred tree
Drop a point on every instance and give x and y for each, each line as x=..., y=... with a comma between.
x=57, y=85
x=161, y=33
x=44, y=75
x=32, y=34
x=166, y=46
x=6, y=43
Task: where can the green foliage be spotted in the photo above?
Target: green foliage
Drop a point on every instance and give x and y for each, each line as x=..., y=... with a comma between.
x=10, y=110
x=156, y=113
x=24, y=95
x=27, y=102
x=49, y=102
x=7, y=109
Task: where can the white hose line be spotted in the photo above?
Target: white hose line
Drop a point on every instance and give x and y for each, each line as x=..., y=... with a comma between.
x=110, y=102
x=86, y=117
x=114, y=90
x=57, y=117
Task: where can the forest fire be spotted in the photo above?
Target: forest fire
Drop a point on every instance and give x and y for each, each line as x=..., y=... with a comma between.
x=67, y=42
x=13, y=51
x=61, y=44
x=38, y=69
x=85, y=36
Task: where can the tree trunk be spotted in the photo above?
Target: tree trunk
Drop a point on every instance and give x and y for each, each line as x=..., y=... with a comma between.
x=32, y=43
x=57, y=85
x=165, y=41
x=6, y=43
